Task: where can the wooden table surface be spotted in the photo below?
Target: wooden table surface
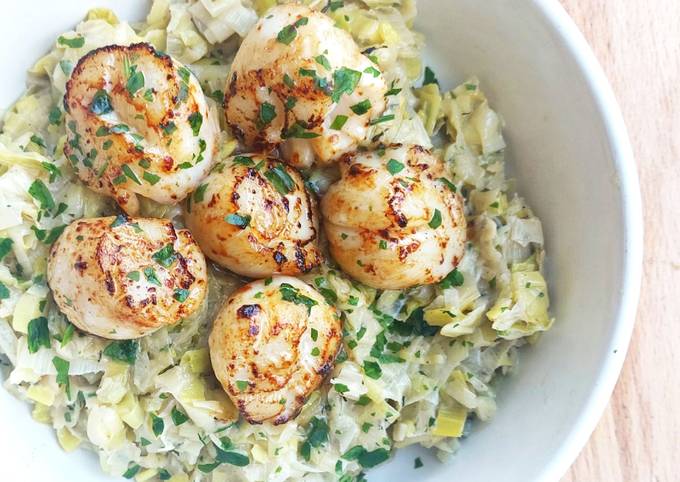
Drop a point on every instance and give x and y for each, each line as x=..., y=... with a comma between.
x=638, y=44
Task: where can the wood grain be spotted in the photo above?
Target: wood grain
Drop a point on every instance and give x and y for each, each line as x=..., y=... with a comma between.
x=638, y=44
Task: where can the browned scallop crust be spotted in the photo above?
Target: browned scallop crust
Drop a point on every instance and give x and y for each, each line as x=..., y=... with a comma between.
x=146, y=131
x=270, y=353
x=394, y=230
x=125, y=277
x=279, y=220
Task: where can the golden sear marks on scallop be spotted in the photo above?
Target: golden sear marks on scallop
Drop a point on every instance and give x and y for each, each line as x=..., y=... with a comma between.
x=121, y=278
x=391, y=220
x=272, y=344
x=255, y=217
x=137, y=124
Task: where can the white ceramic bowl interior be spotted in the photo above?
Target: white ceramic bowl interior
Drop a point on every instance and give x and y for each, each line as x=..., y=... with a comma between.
x=569, y=152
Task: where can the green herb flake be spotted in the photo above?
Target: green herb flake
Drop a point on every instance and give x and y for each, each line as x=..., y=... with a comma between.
x=382, y=244
x=381, y=119
x=130, y=174
x=372, y=369
x=168, y=128
x=362, y=107
x=178, y=417
x=150, y=178
x=451, y=186
x=267, y=115
x=181, y=295
x=429, y=77
x=196, y=121
x=373, y=71
x=165, y=256
x=417, y=463
x=341, y=388
x=40, y=193
x=123, y=350
x=54, y=116
x=199, y=193
x=291, y=294
x=119, y=129
x=344, y=82
x=135, y=81
x=299, y=131
x=290, y=103
x=436, y=220
x=363, y=400
x=242, y=221
x=157, y=424
x=339, y=122
x=52, y=169
x=242, y=385
x=101, y=103
x=315, y=351
x=38, y=334
x=74, y=43
x=133, y=275
x=232, y=458
x=4, y=291
x=394, y=166
x=289, y=32
x=280, y=178
x=62, y=367
x=454, y=278
x=288, y=81
x=323, y=61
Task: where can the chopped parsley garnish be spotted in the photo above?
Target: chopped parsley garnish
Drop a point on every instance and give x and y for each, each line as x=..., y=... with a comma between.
x=315, y=351
x=62, y=367
x=132, y=471
x=448, y=184
x=363, y=400
x=199, y=193
x=232, y=458
x=119, y=221
x=280, y=178
x=4, y=291
x=242, y=385
x=168, y=128
x=436, y=220
x=148, y=95
x=181, y=295
x=417, y=463
x=151, y=276
x=365, y=458
x=323, y=61
x=178, y=417
x=317, y=436
x=5, y=247
x=333, y=5
x=341, y=388
x=135, y=80
x=52, y=169
x=74, y=43
x=289, y=32
x=299, y=131
x=266, y=116
x=102, y=131
x=196, y=121
x=307, y=73
x=38, y=334
x=372, y=70
x=290, y=103
x=129, y=173
x=314, y=334
x=362, y=107
x=119, y=129
x=38, y=141
x=107, y=144
x=165, y=256
x=157, y=425
x=470, y=87
x=133, y=275
x=454, y=278
x=242, y=221
x=54, y=116
x=392, y=91
x=372, y=369
x=243, y=161
x=101, y=103
x=344, y=82
x=338, y=122
x=288, y=81
x=40, y=193
x=150, y=178
x=382, y=244
x=292, y=294
x=394, y=166
x=381, y=119
x=123, y=350
x=429, y=77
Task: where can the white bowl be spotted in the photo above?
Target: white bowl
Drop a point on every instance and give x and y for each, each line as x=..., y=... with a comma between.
x=569, y=152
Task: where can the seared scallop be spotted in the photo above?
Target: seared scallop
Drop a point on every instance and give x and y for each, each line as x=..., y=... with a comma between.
x=254, y=216
x=271, y=346
x=121, y=278
x=138, y=124
x=299, y=81
x=393, y=220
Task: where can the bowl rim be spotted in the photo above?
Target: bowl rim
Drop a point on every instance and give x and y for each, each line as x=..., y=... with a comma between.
x=600, y=90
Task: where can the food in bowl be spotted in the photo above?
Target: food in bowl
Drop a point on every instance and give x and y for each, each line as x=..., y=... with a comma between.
x=395, y=308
